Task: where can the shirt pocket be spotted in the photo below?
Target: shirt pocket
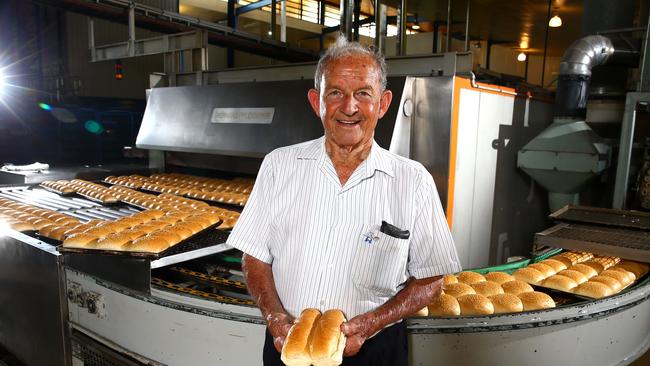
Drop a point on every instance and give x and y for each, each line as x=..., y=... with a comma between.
x=380, y=264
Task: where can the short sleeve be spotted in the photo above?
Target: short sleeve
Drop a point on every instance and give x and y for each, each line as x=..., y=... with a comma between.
x=252, y=232
x=432, y=251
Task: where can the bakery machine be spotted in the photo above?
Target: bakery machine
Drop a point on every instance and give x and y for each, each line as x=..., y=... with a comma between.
x=190, y=307
x=440, y=121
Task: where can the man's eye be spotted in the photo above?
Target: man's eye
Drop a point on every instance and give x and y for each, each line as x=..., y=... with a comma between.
x=364, y=95
x=334, y=94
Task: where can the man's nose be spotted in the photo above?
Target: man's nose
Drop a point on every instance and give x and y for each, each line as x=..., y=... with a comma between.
x=350, y=106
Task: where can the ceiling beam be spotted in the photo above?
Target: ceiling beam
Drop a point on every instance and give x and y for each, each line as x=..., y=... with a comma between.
x=166, y=22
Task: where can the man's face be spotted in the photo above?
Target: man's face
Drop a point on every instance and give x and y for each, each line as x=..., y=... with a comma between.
x=350, y=100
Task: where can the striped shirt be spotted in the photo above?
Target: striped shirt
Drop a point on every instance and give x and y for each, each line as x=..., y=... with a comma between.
x=323, y=240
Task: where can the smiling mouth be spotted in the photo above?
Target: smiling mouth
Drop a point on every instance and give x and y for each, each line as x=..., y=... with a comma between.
x=347, y=122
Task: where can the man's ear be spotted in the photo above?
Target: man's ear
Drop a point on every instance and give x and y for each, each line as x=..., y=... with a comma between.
x=314, y=99
x=384, y=102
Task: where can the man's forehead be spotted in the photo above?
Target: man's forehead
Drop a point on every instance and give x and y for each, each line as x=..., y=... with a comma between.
x=353, y=66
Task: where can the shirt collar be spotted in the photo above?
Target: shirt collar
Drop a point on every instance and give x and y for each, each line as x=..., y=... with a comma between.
x=377, y=160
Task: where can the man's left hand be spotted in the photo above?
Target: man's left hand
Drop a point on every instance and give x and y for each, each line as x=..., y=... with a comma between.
x=357, y=330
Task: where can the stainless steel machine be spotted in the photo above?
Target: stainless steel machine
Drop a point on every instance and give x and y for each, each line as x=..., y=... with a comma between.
x=189, y=308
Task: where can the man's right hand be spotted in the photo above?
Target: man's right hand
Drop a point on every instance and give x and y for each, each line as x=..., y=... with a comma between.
x=279, y=325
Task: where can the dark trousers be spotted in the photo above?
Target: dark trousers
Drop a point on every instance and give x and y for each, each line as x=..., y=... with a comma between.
x=388, y=348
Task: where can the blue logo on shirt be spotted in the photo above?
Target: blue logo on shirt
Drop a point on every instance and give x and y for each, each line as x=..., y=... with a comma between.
x=368, y=237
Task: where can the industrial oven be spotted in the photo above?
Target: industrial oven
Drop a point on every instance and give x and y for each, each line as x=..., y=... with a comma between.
x=191, y=307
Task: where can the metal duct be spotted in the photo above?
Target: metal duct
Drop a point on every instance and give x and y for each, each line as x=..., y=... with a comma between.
x=575, y=73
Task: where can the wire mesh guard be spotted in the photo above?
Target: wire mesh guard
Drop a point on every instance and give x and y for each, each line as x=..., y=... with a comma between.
x=603, y=216
x=92, y=353
x=627, y=244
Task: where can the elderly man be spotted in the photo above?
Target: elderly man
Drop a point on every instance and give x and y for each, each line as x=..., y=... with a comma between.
x=340, y=223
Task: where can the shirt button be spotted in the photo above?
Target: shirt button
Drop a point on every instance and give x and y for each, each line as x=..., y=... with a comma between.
x=322, y=302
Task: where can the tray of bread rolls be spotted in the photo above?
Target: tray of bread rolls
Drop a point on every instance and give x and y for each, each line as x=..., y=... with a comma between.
x=583, y=274
x=58, y=187
x=168, y=201
x=150, y=234
x=228, y=192
x=473, y=294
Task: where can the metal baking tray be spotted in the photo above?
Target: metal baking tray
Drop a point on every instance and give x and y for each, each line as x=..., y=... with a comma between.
x=194, y=242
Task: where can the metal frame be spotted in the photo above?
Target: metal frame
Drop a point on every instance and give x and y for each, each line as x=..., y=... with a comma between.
x=442, y=64
x=625, y=147
x=174, y=328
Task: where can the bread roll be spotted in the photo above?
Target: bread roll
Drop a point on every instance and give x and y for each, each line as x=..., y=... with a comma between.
x=295, y=351
x=574, y=275
x=182, y=231
x=59, y=233
x=134, y=233
x=566, y=261
x=47, y=229
x=148, y=244
x=584, y=269
x=506, y=303
x=475, y=304
x=487, y=288
x=559, y=282
x=448, y=279
x=39, y=224
x=99, y=231
x=593, y=289
x=529, y=275
x=609, y=281
x=543, y=269
x=22, y=226
x=536, y=301
x=555, y=264
x=469, y=277
x=328, y=342
x=153, y=214
x=499, y=277
x=193, y=227
x=639, y=269
x=422, y=312
x=624, y=277
x=516, y=287
x=458, y=289
x=170, y=236
x=114, y=242
x=80, y=240
x=598, y=267
x=624, y=270
x=444, y=305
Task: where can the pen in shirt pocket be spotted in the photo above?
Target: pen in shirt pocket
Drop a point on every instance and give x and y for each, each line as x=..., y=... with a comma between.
x=394, y=231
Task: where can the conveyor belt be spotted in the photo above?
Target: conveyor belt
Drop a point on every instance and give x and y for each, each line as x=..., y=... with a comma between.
x=214, y=281
x=203, y=294
x=79, y=208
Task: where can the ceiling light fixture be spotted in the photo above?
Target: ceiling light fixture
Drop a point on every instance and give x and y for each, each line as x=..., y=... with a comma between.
x=416, y=24
x=521, y=57
x=555, y=22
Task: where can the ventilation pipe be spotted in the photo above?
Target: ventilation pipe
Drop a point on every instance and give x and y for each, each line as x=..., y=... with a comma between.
x=575, y=73
x=568, y=154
